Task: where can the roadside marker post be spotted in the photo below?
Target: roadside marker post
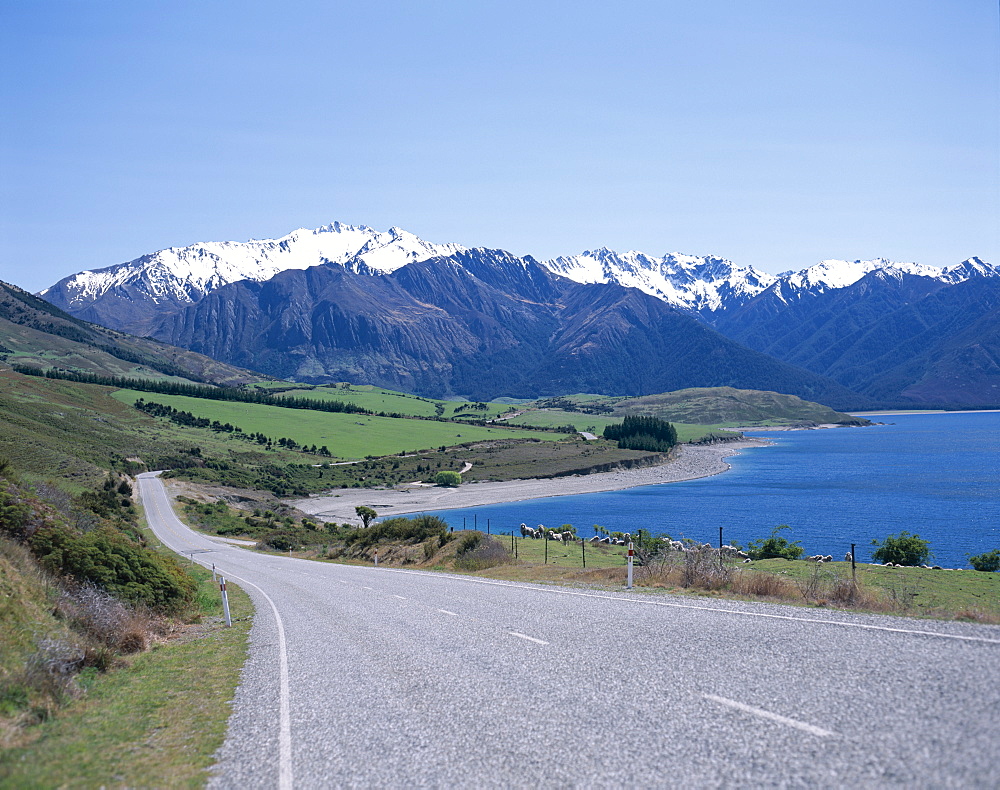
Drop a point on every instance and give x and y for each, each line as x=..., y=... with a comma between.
x=214, y=578
x=631, y=554
x=376, y=558
x=225, y=601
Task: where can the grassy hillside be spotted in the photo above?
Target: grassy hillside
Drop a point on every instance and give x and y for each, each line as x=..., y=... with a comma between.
x=35, y=333
x=73, y=433
x=714, y=406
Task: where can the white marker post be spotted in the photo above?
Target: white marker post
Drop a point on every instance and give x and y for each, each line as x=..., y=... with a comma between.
x=631, y=553
x=225, y=601
x=214, y=577
x=376, y=559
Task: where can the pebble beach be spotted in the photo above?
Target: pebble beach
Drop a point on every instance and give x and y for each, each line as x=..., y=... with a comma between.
x=692, y=462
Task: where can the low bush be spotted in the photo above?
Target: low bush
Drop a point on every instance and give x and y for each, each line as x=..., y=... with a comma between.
x=114, y=562
x=400, y=529
x=477, y=552
x=902, y=549
x=774, y=546
x=448, y=478
x=989, y=561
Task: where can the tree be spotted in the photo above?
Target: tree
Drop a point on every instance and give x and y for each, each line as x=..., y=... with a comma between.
x=366, y=514
x=989, y=561
x=902, y=549
x=448, y=477
x=774, y=546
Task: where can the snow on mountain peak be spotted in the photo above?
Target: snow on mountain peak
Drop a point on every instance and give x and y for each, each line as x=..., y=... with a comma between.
x=689, y=281
x=185, y=274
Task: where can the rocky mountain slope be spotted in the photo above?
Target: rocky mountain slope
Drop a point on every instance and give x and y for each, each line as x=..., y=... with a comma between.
x=480, y=323
x=809, y=318
x=34, y=333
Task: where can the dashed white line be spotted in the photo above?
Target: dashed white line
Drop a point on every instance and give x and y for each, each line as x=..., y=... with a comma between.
x=400, y=597
x=717, y=610
x=766, y=714
x=529, y=638
x=365, y=588
x=445, y=611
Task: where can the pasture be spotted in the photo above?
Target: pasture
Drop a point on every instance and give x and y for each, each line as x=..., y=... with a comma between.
x=348, y=436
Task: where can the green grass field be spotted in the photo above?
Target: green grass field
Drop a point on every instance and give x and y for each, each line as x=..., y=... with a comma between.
x=378, y=399
x=372, y=398
x=347, y=436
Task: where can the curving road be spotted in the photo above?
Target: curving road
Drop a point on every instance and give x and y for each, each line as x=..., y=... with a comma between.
x=362, y=677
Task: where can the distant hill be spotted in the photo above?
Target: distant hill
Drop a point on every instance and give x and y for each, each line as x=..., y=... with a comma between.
x=898, y=338
x=37, y=334
x=717, y=406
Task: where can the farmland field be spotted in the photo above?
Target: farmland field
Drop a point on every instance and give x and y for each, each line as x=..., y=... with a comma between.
x=345, y=435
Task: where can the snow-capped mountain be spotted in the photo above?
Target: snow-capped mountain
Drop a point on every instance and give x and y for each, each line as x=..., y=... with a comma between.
x=129, y=296
x=709, y=284
x=177, y=276
x=696, y=283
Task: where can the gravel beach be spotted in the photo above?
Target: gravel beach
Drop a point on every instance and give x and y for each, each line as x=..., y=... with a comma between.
x=692, y=462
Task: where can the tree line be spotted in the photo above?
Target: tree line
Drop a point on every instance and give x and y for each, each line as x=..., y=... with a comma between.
x=642, y=433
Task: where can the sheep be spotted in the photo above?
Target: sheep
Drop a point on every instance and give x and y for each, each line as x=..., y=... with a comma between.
x=525, y=529
x=848, y=557
x=567, y=536
x=594, y=540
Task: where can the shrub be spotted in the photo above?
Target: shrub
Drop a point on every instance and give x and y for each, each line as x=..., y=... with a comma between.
x=448, y=478
x=280, y=540
x=774, y=546
x=400, y=528
x=902, y=549
x=477, y=552
x=116, y=564
x=990, y=561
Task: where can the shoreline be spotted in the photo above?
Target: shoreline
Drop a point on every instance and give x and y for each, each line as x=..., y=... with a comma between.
x=693, y=463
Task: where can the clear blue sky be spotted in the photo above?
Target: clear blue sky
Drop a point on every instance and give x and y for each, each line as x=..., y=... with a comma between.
x=775, y=133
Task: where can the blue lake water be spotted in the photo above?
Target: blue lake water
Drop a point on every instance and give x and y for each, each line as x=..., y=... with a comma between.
x=937, y=475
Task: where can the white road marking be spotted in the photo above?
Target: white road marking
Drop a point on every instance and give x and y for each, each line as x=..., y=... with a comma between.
x=766, y=714
x=529, y=638
x=365, y=588
x=341, y=581
x=166, y=515
x=445, y=611
x=284, y=713
x=717, y=610
x=400, y=597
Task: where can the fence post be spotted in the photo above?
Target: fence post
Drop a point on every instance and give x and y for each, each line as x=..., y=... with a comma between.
x=631, y=552
x=225, y=601
x=583, y=551
x=720, y=548
x=546, y=539
x=854, y=566
x=487, y=526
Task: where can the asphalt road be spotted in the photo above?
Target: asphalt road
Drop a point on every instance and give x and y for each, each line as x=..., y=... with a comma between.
x=375, y=677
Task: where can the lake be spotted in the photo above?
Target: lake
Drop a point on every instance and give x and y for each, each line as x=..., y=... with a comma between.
x=937, y=475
